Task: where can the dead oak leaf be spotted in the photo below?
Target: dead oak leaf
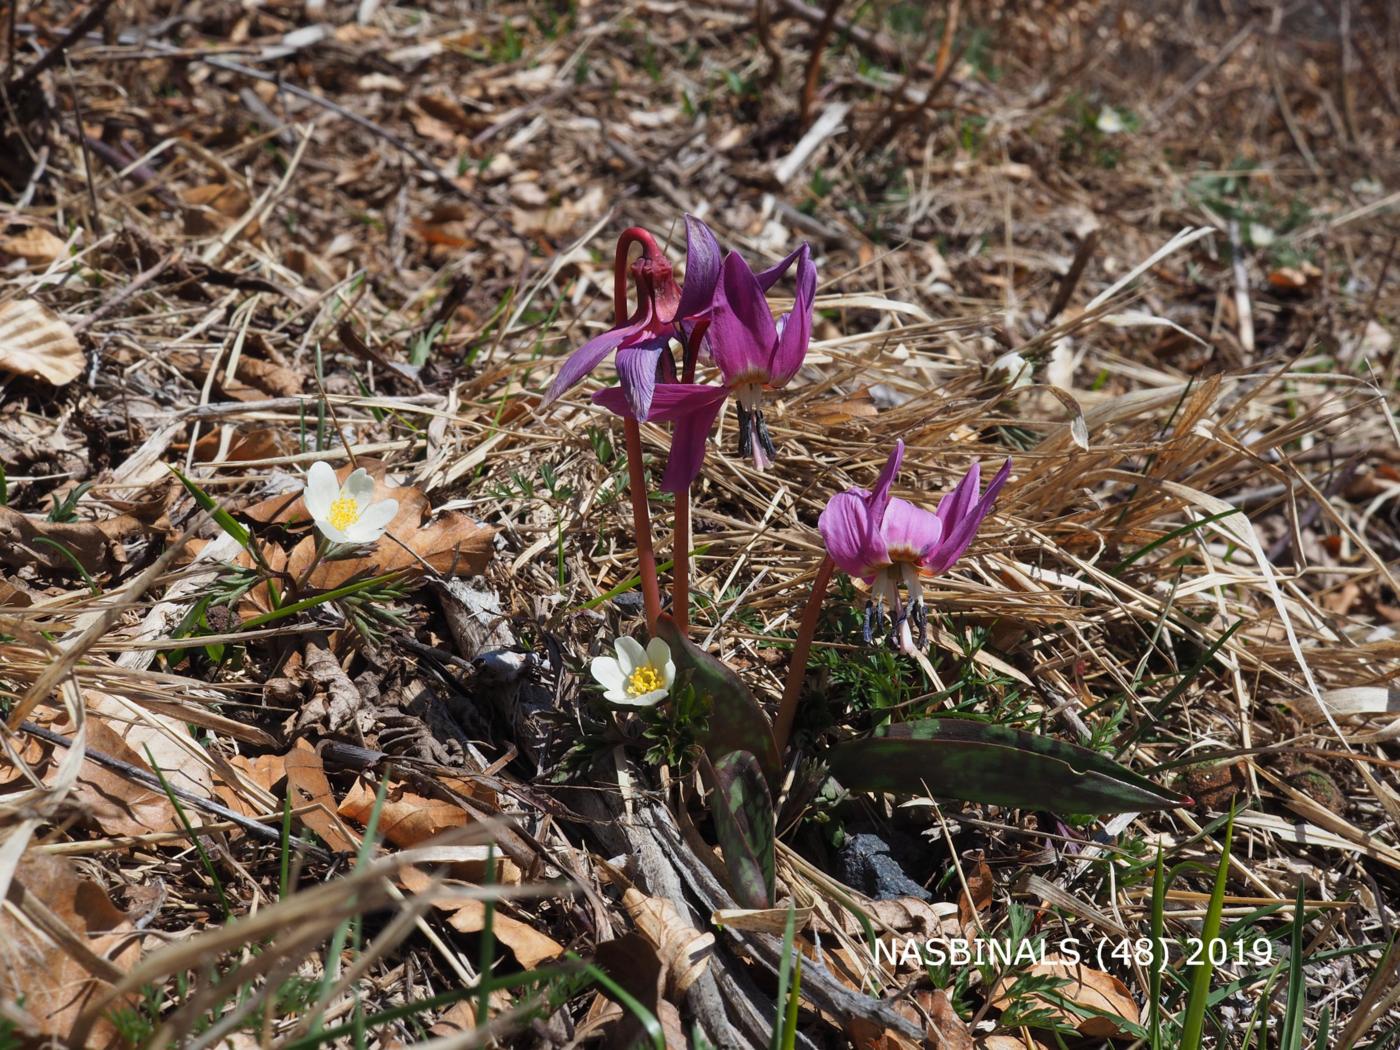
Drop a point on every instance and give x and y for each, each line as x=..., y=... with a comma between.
x=35, y=342
x=54, y=986
x=1083, y=986
x=96, y=545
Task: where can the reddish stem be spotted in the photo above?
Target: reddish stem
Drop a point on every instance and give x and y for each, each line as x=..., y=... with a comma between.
x=797, y=670
x=636, y=477
x=624, y=245
x=680, y=573
x=641, y=524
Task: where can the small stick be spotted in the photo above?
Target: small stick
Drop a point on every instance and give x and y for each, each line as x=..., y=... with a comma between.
x=814, y=61
x=150, y=780
x=797, y=669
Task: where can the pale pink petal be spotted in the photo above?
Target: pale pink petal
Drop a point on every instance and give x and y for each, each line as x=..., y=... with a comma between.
x=852, y=538
x=960, y=537
x=908, y=530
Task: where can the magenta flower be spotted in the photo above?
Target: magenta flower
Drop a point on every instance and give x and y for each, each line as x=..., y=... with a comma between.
x=886, y=541
x=692, y=407
x=752, y=351
x=643, y=341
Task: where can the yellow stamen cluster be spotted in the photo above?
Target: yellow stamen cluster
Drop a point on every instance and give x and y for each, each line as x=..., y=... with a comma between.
x=344, y=513
x=644, y=680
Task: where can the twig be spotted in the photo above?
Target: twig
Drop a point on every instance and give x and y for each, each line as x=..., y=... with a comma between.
x=94, y=15
x=797, y=669
x=814, y=60
x=150, y=780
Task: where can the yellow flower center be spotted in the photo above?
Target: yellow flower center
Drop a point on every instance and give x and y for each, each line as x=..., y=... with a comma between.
x=644, y=680
x=344, y=512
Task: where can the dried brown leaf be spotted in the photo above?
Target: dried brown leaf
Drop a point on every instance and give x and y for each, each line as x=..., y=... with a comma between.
x=1085, y=987
x=55, y=987
x=35, y=342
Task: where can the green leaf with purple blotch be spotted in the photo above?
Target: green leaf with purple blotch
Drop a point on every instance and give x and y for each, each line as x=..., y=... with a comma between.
x=737, y=722
x=742, y=809
x=981, y=762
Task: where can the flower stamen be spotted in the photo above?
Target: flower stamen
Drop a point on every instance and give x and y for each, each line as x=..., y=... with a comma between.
x=644, y=680
x=345, y=511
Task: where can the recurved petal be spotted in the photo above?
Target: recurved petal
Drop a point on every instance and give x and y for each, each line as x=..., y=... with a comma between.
x=636, y=372
x=960, y=536
x=879, y=497
x=741, y=331
x=846, y=527
x=702, y=267
x=769, y=277
x=586, y=358
x=687, y=454
x=954, y=505
x=321, y=489
x=795, y=331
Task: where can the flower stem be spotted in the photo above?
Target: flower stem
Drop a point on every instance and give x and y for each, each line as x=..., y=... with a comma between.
x=680, y=554
x=641, y=524
x=797, y=670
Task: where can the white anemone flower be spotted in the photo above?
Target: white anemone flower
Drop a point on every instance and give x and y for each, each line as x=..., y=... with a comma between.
x=638, y=677
x=346, y=513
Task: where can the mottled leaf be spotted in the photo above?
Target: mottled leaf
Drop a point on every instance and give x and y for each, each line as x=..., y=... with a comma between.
x=743, y=813
x=979, y=762
x=737, y=723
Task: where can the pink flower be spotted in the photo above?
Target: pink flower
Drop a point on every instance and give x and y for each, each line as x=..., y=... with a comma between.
x=642, y=342
x=886, y=541
x=753, y=352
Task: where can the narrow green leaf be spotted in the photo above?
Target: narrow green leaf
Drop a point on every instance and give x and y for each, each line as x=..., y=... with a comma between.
x=1296, y=1009
x=743, y=813
x=226, y=520
x=737, y=722
x=1193, y=1026
x=980, y=762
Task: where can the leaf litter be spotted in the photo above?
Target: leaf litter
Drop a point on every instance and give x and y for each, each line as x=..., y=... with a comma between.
x=371, y=244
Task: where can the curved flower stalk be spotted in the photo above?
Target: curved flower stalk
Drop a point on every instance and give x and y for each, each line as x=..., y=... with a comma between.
x=637, y=677
x=887, y=542
x=346, y=513
x=753, y=353
x=643, y=340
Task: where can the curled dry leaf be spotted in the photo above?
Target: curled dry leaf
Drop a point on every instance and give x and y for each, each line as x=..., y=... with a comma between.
x=153, y=735
x=1085, y=987
x=684, y=949
x=53, y=986
x=97, y=545
x=633, y=963
x=529, y=945
x=34, y=244
x=307, y=785
x=35, y=342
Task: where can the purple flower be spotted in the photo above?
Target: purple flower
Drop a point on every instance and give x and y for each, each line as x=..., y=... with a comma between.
x=886, y=541
x=751, y=350
x=692, y=407
x=724, y=308
x=642, y=342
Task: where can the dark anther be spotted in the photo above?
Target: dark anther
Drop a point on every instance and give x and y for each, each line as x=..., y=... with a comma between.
x=868, y=628
x=745, y=432
x=764, y=438
x=919, y=615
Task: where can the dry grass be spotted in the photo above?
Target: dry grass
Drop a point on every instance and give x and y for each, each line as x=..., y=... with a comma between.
x=384, y=262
